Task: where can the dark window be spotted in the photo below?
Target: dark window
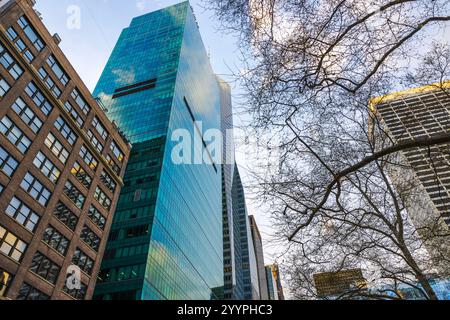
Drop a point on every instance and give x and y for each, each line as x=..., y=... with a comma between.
x=27, y=292
x=138, y=87
x=45, y=268
x=81, y=175
x=97, y=217
x=63, y=214
x=83, y=261
x=90, y=238
x=88, y=158
x=77, y=294
x=108, y=181
x=102, y=198
x=56, y=240
x=74, y=194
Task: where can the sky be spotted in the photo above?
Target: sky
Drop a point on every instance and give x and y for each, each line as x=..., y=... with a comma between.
x=89, y=44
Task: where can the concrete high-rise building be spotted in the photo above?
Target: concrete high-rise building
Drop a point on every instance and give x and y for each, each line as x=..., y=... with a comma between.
x=257, y=244
x=422, y=176
x=166, y=240
x=61, y=163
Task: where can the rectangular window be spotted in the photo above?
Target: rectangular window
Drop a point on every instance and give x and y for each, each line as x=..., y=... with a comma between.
x=74, y=194
x=83, y=261
x=117, y=152
x=14, y=134
x=113, y=165
x=51, y=85
x=45, y=268
x=9, y=63
x=47, y=167
x=74, y=114
x=97, y=144
x=4, y=87
x=35, y=189
x=88, y=158
x=81, y=175
x=11, y=246
x=27, y=292
x=56, y=240
x=67, y=217
x=75, y=293
x=108, y=181
x=66, y=131
x=20, y=45
x=31, y=34
x=81, y=102
x=8, y=164
x=22, y=214
x=96, y=217
x=38, y=98
x=90, y=238
x=102, y=198
x=27, y=115
x=57, y=70
x=56, y=148
x=100, y=128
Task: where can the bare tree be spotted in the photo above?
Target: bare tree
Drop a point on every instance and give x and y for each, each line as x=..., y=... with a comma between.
x=310, y=68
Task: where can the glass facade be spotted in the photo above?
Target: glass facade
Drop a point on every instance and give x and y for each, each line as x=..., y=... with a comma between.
x=166, y=238
x=247, y=266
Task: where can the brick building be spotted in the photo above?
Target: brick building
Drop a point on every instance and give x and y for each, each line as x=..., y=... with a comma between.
x=61, y=164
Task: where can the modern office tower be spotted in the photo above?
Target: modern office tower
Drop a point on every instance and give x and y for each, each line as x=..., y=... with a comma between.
x=257, y=244
x=232, y=255
x=271, y=284
x=422, y=177
x=277, y=277
x=61, y=163
x=248, y=255
x=330, y=285
x=166, y=240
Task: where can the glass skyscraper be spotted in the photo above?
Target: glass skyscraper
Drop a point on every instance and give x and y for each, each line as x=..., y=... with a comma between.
x=166, y=238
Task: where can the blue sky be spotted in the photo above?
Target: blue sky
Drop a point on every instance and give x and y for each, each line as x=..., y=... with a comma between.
x=88, y=49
